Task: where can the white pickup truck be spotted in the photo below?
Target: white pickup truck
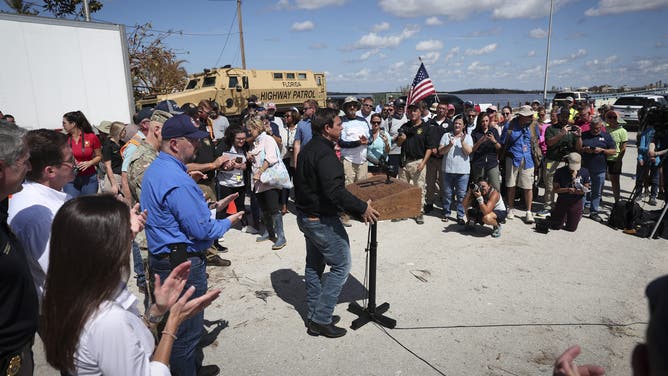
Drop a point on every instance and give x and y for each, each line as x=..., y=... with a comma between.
x=627, y=107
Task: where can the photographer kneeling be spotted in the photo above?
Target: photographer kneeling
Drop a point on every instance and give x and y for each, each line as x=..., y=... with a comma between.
x=571, y=182
x=484, y=205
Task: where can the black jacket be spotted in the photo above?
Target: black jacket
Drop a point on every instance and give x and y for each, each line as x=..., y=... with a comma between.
x=319, y=183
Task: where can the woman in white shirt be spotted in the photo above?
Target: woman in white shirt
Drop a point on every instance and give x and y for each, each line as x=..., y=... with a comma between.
x=456, y=146
x=90, y=321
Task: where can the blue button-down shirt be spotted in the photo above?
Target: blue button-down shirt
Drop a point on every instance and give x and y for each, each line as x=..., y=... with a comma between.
x=519, y=144
x=304, y=132
x=177, y=211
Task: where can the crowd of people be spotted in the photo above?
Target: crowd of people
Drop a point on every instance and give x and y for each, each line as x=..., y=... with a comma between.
x=180, y=175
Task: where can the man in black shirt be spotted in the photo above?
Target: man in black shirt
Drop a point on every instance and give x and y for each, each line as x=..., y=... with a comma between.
x=19, y=312
x=319, y=193
x=414, y=152
x=437, y=127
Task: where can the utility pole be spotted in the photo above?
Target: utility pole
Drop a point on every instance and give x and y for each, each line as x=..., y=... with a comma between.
x=241, y=35
x=547, y=56
x=86, y=10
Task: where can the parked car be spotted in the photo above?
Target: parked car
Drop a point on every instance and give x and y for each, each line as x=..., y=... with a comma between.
x=627, y=107
x=578, y=97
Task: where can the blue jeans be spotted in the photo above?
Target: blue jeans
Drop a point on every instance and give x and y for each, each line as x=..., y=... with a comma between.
x=456, y=183
x=326, y=244
x=183, y=361
x=597, y=182
x=138, y=265
x=81, y=186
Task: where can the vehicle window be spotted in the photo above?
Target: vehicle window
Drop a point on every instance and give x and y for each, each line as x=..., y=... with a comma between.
x=290, y=76
x=564, y=95
x=302, y=76
x=244, y=81
x=209, y=81
x=319, y=81
x=629, y=101
x=278, y=76
x=661, y=101
x=192, y=84
x=234, y=81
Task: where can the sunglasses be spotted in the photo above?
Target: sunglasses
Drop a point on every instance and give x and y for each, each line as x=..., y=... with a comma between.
x=367, y=105
x=506, y=113
x=375, y=122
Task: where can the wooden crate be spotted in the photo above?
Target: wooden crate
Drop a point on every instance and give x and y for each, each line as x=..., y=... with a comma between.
x=393, y=201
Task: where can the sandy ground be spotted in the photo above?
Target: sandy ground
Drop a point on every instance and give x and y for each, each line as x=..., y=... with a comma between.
x=465, y=304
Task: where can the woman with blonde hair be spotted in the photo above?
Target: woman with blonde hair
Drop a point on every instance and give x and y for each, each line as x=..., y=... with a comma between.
x=264, y=154
x=112, y=158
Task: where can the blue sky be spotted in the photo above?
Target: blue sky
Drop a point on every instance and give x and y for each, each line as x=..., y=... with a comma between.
x=365, y=45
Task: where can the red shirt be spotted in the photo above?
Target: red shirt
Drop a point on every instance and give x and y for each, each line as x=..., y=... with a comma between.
x=85, y=152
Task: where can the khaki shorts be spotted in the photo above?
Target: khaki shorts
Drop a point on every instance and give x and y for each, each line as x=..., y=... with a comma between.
x=520, y=176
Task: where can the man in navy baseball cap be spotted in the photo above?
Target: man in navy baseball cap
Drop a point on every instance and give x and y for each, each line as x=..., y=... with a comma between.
x=181, y=126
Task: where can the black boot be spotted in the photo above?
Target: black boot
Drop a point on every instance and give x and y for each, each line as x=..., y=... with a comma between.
x=329, y=330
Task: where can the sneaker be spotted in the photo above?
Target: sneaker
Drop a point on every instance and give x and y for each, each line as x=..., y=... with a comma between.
x=529, y=217
x=460, y=221
x=251, y=230
x=543, y=213
x=496, y=232
x=444, y=218
x=210, y=370
x=511, y=213
x=419, y=219
x=219, y=247
x=595, y=217
x=215, y=260
x=470, y=225
x=652, y=201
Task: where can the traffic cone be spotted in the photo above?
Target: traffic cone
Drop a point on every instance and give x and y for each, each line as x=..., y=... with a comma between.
x=231, y=208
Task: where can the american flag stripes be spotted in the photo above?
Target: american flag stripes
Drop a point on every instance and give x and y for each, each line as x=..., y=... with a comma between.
x=422, y=86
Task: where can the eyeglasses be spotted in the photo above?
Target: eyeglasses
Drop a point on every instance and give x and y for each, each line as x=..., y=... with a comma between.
x=367, y=105
x=506, y=113
x=375, y=122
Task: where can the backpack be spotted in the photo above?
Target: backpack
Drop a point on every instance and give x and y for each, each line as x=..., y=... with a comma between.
x=625, y=215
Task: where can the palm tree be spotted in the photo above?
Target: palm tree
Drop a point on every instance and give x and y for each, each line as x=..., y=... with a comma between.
x=21, y=7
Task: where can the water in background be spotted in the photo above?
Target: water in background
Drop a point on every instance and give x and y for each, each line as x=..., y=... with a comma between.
x=515, y=100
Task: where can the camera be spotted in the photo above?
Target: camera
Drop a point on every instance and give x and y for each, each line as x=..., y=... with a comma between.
x=238, y=160
x=291, y=149
x=474, y=187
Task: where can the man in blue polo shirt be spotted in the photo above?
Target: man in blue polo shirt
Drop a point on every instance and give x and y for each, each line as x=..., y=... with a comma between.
x=180, y=227
x=596, y=146
x=304, y=134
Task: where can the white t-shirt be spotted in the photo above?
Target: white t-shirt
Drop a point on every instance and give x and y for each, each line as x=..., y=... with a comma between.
x=394, y=124
x=31, y=213
x=352, y=130
x=456, y=162
x=220, y=125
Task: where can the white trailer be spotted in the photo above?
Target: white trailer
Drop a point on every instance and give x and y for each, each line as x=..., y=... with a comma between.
x=52, y=66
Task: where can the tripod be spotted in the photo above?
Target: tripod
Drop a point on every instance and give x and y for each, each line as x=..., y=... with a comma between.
x=371, y=312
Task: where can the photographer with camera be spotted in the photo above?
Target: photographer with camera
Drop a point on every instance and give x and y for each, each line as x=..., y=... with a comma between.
x=571, y=183
x=561, y=139
x=484, y=205
x=658, y=148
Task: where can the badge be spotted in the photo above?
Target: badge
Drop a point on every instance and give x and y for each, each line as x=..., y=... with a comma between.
x=419, y=131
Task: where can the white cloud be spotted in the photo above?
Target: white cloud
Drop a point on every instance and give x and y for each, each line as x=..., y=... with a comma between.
x=559, y=61
x=429, y=45
x=380, y=27
x=481, y=51
x=477, y=66
x=398, y=65
x=531, y=73
x=538, y=33
x=579, y=53
x=433, y=21
x=605, y=62
x=532, y=53
x=283, y=4
x=624, y=6
x=451, y=54
x=317, y=46
x=302, y=26
x=369, y=53
x=458, y=10
x=373, y=40
x=484, y=32
x=430, y=58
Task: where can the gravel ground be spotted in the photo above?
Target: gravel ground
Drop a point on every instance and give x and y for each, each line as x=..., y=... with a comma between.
x=465, y=303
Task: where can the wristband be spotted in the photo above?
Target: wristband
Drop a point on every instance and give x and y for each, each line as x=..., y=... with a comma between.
x=149, y=318
x=479, y=199
x=170, y=334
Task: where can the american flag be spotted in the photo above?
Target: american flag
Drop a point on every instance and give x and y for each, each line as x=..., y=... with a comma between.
x=422, y=86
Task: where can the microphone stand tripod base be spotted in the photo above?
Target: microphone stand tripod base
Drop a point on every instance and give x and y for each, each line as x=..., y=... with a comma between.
x=367, y=315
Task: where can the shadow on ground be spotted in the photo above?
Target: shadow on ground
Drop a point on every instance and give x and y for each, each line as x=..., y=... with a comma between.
x=290, y=287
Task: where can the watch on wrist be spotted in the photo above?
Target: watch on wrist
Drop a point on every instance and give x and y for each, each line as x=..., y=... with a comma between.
x=153, y=319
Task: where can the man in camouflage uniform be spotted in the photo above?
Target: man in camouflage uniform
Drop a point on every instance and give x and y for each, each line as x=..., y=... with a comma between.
x=146, y=152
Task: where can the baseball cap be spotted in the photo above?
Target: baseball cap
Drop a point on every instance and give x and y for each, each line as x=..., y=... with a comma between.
x=412, y=107
x=574, y=161
x=525, y=110
x=271, y=106
x=144, y=114
x=492, y=108
x=169, y=106
x=181, y=126
x=570, y=99
x=468, y=104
